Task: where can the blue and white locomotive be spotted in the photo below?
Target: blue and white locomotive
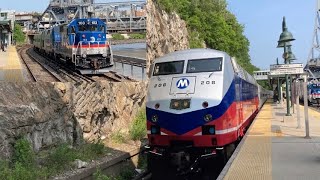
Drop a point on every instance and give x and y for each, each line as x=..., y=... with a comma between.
x=313, y=91
x=81, y=43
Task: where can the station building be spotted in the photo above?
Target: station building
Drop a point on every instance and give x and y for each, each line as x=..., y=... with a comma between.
x=7, y=19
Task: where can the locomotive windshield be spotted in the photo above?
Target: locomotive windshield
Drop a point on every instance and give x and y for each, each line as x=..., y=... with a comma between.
x=90, y=26
x=204, y=65
x=166, y=68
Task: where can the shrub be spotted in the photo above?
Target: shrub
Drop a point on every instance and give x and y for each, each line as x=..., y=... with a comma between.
x=117, y=37
x=118, y=137
x=23, y=153
x=137, y=36
x=138, y=129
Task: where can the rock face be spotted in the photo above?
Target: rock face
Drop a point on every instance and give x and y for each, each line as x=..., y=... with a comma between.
x=48, y=114
x=37, y=112
x=104, y=107
x=165, y=32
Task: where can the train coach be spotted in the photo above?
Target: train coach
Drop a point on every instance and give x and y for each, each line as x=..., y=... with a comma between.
x=200, y=103
x=82, y=43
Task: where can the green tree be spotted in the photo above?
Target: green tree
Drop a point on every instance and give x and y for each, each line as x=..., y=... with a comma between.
x=211, y=24
x=18, y=34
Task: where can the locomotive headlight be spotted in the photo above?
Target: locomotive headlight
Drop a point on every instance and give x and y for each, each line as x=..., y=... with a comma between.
x=154, y=118
x=208, y=117
x=84, y=55
x=104, y=55
x=186, y=104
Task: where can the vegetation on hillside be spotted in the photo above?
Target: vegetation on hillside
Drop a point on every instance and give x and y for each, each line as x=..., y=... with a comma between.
x=27, y=165
x=210, y=23
x=18, y=34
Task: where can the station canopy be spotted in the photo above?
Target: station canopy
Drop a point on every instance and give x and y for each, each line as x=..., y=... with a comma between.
x=5, y=25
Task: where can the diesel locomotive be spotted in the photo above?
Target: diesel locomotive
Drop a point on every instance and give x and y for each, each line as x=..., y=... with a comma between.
x=81, y=43
x=200, y=102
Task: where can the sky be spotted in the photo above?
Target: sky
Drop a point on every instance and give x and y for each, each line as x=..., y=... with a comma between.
x=34, y=5
x=263, y=21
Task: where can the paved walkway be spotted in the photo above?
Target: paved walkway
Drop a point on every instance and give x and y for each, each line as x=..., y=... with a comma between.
x=10, y=66
x=274, y=148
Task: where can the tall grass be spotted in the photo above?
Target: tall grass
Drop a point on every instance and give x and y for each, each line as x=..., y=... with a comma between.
x=138, y=129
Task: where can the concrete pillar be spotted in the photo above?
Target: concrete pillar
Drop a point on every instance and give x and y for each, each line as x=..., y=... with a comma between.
x=9, y=38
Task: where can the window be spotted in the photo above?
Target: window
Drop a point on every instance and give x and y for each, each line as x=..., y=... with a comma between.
x=166, y=68
x=102, y=28
x=73, y=30
x=88, y=27
x=204, y=65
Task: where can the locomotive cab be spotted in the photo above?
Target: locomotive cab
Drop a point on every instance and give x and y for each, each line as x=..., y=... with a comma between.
x=88, y=37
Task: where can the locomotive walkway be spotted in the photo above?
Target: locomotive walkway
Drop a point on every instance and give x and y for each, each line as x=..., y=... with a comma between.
x=274, y=148
x=10, y=66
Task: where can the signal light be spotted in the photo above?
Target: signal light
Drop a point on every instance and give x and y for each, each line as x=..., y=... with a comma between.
x=208, y=130
x=155, y=130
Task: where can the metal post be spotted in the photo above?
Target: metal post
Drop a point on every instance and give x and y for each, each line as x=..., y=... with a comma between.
x=142, y=66
x=287, y=82
x=293, y=90
x=297, y=105
x=306, y=115
x=279, y=90
x=131, y=70
x=122, y=67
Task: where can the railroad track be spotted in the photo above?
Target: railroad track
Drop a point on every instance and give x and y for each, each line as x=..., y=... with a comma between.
x=64, y=72
x=36, y=70
x=42, y=68
x=70, y=75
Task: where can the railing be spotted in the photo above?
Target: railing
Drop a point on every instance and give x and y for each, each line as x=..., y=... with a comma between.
x=135, y=66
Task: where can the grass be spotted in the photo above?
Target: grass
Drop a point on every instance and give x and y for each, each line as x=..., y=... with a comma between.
x=126, y=174
x=138, y=36
x=118, y=36
x=118, y=137
x=138, y=129
x=23, y=165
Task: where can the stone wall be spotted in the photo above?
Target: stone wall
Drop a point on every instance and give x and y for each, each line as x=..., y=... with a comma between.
x=36, y=112
x=104, y=107
x=51, y=113
x=165, y=32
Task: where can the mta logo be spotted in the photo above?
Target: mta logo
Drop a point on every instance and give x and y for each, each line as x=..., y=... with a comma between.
x=183, y=83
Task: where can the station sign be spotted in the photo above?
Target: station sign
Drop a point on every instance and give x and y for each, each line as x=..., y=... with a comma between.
x=281, y=69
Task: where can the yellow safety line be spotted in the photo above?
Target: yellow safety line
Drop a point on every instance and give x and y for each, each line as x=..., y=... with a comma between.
x=254, y=158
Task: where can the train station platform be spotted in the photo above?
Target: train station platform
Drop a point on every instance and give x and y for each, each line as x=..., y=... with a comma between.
x=10, y=66
x=274, y=148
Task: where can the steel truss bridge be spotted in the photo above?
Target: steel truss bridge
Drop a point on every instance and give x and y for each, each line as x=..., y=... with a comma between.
x=120, y=16
x=313, y=63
